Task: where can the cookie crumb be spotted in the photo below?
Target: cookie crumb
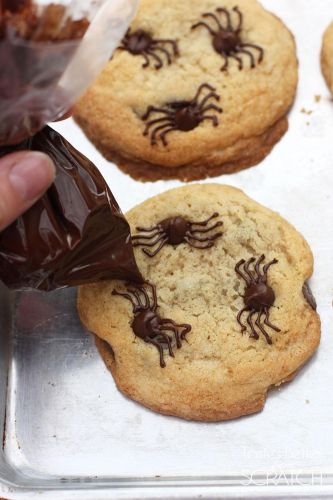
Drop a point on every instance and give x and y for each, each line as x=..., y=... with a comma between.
x=317, y=98
x=306, y=112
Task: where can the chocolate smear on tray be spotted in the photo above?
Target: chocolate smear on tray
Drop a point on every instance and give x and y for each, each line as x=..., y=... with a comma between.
x=74, y=234
x=174, y=231
x=259, y=297
x=309, y=297
x=227, y=40
x=182, y=115
x=148, y=324
x=142, y=43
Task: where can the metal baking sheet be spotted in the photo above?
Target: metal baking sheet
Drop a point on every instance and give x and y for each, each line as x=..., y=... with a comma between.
x=68, y=433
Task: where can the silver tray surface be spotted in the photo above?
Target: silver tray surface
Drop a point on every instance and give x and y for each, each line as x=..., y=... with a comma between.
x=68, y=433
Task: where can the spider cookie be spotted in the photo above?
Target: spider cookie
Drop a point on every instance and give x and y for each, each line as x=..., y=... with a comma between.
x=327, y=56
x=196, y=88
x=225, y=314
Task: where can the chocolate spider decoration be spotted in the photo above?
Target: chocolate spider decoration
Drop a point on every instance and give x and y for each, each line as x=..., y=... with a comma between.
x=182, y=115
x=148, y=324
x=258, y=297
x=174, y=231
x=141, y=43
x=227, y=40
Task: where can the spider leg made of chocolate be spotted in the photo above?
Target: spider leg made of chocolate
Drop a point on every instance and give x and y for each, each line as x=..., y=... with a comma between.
x=176, y=230
x=138, y=298
x=227, y=40
x=148, y=324
x=182, y=115
x=142, y=43
x=258, y=297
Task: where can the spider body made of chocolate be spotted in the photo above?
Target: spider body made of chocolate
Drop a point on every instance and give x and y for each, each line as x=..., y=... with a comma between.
x=148, y=324
x=258, y=297
x=182, y=115
x=174, y=231
x=227, y=40
x=142, y=43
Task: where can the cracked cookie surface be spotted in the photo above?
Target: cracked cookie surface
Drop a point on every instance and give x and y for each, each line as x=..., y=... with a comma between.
x=254, y=100
x=219, y=374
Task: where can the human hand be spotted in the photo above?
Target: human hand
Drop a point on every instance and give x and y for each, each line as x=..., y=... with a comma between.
x=24, y=177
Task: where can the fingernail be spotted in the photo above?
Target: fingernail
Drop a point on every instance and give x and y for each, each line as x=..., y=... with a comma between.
x=32, y=175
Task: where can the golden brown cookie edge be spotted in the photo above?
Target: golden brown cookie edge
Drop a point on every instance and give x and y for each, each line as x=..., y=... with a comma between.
x=247, y=408
x=255, y=151
x=326, y=68
x=241, y=409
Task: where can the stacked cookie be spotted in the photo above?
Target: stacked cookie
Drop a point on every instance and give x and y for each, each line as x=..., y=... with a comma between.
x=196, y=89
x=225, y=313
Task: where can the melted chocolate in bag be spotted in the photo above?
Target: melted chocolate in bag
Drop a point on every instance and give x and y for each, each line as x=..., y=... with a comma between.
x=75, y=234
x=36, y=47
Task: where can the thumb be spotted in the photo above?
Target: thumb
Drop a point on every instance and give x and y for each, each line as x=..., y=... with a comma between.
x=24, y=177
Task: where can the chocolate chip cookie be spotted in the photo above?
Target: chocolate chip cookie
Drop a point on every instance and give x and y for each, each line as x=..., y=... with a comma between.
x=197, y=88
x=226, y=312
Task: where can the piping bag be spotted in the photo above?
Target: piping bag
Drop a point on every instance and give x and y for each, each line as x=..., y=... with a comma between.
x=75, y=234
